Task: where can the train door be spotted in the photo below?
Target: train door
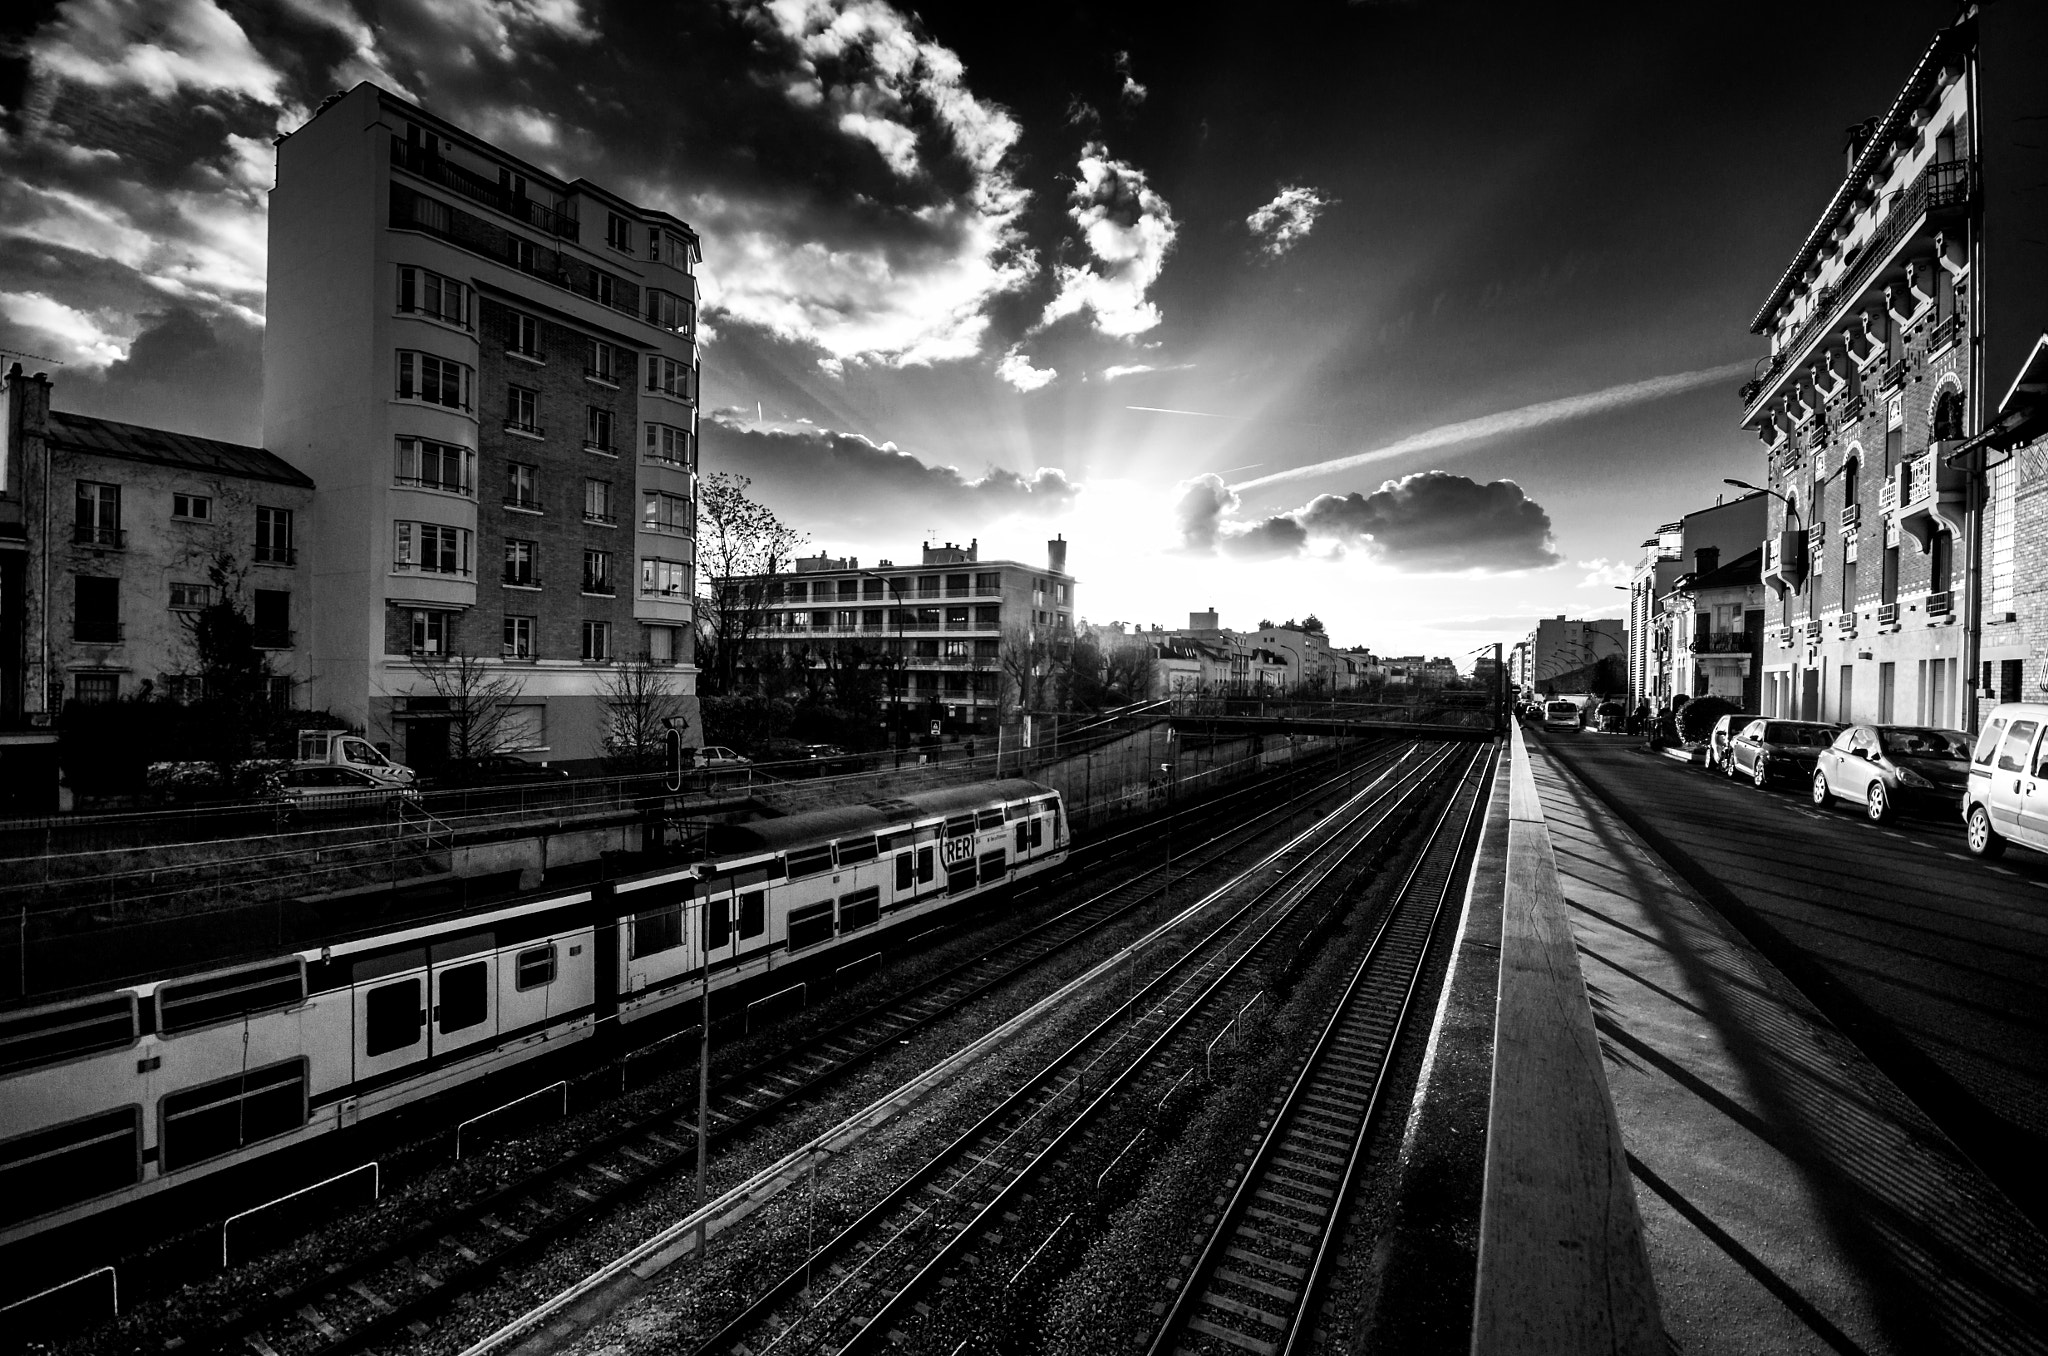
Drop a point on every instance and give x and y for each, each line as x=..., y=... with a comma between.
x=391, y=1012
x=721, y=930
x=465, y=1010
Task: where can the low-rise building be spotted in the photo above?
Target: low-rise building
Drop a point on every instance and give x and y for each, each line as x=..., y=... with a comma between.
x=1573, y=656
x=1713, y=618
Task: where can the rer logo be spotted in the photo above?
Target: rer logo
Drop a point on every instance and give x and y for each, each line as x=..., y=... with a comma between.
x=958, y=851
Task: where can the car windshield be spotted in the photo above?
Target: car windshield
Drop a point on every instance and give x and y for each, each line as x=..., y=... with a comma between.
x=1949, y=745
x=1808, y=736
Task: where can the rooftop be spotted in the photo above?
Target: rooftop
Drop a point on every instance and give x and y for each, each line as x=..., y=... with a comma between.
x=162, y=447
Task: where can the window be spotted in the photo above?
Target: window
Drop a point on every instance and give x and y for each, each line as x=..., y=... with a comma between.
x=753, y=914
x=660, y=930
x=601, y=362
x=597, y=501
x=522, y=336
x=525, y=727
x=93, y=688
x=270, y=618
x=274, y=536
x=670, y=312
x=597, y=572
x=522, y=409
x=521, y=559
x=522, y=486
x=860, y=909
x=432, y=380
x=1888, y=577
x=666, y=376
x=191, y=597
x=810, y=925
x=429, y=632
x=51, y=1168
x=717, y=923
x=1894, y=432
x=428, y=465
x=2019, y=741
x=664, y=578
x=195, y=508
x=392, y=1017
x=661, y=644
x=597, y=431
x=518, y=638
x=96, y=609
x=463, y=996
x=618, y=232
x=219, y=1118
x=669, y=445
x=604, y=288
x=668, y=513
x=429, y=548
x=535, y=968
x=597, y=641
x=673, y=250
x=421, y=292
x=809, y=862
x=988, y=583
x=99, y=514
x=1948, y=413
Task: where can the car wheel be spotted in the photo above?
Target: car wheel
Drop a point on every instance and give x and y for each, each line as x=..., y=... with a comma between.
x=1985, y=841
x=1822, y=797
x=1760, y=775
x=1876, y=804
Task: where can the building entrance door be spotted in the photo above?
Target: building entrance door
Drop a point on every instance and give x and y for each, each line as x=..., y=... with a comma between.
x=1809, y=694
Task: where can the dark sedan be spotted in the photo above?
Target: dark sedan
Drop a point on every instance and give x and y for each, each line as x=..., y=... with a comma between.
x=494, y=769
x=1886, y=768
x=1767, y=751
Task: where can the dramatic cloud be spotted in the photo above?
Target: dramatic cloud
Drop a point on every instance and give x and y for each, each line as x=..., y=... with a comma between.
x=1604, y=573
x=1430, y=522
x=1016, y=369
x=834, y=484
x=1129, y=230
x=160, y=48
x=1286, y=221
x=1132, y=93
x=1140, y=369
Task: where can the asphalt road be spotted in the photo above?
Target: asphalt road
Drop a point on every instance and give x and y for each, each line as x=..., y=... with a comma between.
x=1934, y=961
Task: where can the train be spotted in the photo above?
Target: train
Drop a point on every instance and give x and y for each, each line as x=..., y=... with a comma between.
x=112, y=1098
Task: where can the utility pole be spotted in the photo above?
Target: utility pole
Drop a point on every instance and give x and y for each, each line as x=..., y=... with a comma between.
x=703, y=1061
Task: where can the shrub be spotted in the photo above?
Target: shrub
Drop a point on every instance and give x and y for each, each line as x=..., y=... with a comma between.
x=1696, y=719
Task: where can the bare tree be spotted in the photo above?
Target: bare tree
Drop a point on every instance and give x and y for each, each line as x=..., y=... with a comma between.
x=641, y=701
x=741, y=546
x=478, y=696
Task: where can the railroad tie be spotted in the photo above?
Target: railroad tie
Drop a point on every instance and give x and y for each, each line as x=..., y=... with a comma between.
x=1259, y=1259
x=1238, y=1278
x=259, y=1346
x=319, y=1320
x=372, y=1298
x=1241, y=1340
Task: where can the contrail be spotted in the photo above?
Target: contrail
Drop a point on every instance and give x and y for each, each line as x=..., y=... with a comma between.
x=1241, y=418
x=1511, y=421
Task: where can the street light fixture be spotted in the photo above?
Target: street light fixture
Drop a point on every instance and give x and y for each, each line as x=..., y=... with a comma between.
x=1760, y=489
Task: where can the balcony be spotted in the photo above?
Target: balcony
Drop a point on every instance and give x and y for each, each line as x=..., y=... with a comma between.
x=1724, y=642
x=1813, y=632
x=274, y=637
x=1894, y=375
x=601, y=519
x=1852, y=514
x=525, y=430
x=1945, y=333
x=1887, y=614
x=1845, y=624
x=520, y=579
x=600, y=376
x=600, y=587
x=1785, y=637
x=1850, y=412
x=92, y=631
x=275, y=555
x=417, y=160
x=536, y=356
x=96, y=534
x=601, y=449
x=1785, y=560
x=518, y=505
x=1942, y=604
x=1929, y=495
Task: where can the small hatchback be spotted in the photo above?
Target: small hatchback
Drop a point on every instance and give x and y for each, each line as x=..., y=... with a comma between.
x=1885, y=768
x=1767, y=751
x=2007, y=799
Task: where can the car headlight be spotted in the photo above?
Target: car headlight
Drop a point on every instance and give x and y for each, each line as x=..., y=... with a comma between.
x=1908, y=777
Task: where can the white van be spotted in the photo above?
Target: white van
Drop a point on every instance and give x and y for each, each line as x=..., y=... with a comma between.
x=1562, y=712
x=2008, y=794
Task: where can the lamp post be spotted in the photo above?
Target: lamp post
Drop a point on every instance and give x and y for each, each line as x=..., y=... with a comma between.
x=1759, y=489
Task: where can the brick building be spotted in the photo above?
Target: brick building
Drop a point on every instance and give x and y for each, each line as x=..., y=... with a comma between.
x=492, y=373
x=1902, y=318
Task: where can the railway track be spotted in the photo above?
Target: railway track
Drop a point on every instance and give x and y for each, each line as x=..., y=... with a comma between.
x=387, y=1295
x=1055, y=1133
x=1256, y=1284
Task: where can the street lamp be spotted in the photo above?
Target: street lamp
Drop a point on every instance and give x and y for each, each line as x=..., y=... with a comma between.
x=1759, y=489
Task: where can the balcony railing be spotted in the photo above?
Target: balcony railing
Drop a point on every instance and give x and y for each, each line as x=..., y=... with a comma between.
x=94, y=534
x=416, y=160
x=532, y=355
x=274, y=637
x=275, y=555
x=93, y=632
x=1945, y=333
x=1887, y=614
x=601, y=519
x=1894, y=374
x=1723, y=642
x=602, y=449
x=1941, y=604
x=600, y=587
x=601, y=377
x=422, y=483
x=529, y=430
x=521, y=579
x=524, y=505
x=1852, y=514
x=1813, y=631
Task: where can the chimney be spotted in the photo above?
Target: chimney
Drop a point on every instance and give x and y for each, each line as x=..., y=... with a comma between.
x=974, y=548
x=1056, y=554
x=1706, y=559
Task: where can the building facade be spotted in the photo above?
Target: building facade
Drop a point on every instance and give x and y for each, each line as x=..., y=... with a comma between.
x=1712, y=624
x=1728, y=529
x=965, y=638
x=1913, y=302
x=1573, y=656
x=492, y=374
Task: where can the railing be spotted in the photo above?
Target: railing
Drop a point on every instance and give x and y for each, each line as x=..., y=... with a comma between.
x=1851, y=411
x=532, y=355
x=414, y=567
x=1813, y=631
x=1846, y=621
x=1785, y=635
x=93, y=534
x=1852, y=514
x=521, y=579
x=598, y=587
x=416, y=160
x=602, y=378
x=274, y=638
x=602, y=449
x=1941, y=604
x=276, y=555
x=603, y=519
x=422, y=483
x=1945, y=332
x=530, y=430
x=1894, y=373
x=1723, y=642
x=524, y=505
x=1887, y=614
x=97, y=633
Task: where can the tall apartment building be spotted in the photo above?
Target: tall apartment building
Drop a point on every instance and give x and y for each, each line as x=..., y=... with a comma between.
x=1570, y=656
x=492, y=375
x=969, y=632
x=1901, y=322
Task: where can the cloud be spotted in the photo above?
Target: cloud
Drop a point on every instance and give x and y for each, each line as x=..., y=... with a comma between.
x=62, y=332
x=1429, y=522
x=1129, y=230
x=1139, y=369
x=183, y=370
x=1132, y=93
x=1514, y=421
x=826, y=481
x=160, y=47
x=1604, y=573
x=1286, y=221
x=1016, y=369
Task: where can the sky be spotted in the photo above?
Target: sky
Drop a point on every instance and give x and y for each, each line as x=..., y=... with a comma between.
x=1416, y=317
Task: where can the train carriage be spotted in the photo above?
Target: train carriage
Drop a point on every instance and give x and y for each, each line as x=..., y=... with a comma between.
x=111, y=1098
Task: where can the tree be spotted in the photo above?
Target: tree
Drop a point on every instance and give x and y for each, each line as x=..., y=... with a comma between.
x=1312, y=624
x=478, y=697
x=641, y=702
x=238, y=718
x=741, y=546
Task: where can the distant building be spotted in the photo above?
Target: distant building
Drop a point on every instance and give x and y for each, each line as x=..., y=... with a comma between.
x=1727, y=529
x=1713, y=616
x=1572, y=656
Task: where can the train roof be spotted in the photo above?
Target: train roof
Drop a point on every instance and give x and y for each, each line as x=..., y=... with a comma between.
x=840, y=821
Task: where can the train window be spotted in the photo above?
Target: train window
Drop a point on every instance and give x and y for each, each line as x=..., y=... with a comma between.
x=860, y=909
x=47, y=1035
x=853, y=850
x=717, y=923
x=1023, y=835
x=925, y=868
x=1017, y=811
x=810, y=925
x=960, y=879
x=465, y=996
x=660, y=930
x=536, y=967
x=992, y=866
x=906, y=871
x=810, y=861
x=989, y=819
x=1037, y=832
x=958, y=826
x=219, y=1118
x=392, y=1017
x=62, y=1165
x=218, y=998
x=753, y=913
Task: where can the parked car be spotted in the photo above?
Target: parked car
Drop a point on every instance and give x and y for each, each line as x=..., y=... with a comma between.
x=324, y=787
x=1886, y=768
x=494, y=769
x=1611, y=718
x=1768, y=751
x=716, y=756
x=2007, y=795
x=1561, y=713
x=1720, y=736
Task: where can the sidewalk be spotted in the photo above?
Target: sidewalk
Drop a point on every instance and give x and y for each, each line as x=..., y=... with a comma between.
x=1792, y=1199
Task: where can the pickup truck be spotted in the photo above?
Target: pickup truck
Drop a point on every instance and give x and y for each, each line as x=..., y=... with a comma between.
x=339, y=748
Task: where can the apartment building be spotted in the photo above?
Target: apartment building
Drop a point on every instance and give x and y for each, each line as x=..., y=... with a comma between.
x=1574, y=656
x=1901, y=321
x=1711, y=629
x=965, y=637
x=492, y=374
x=1728, y=529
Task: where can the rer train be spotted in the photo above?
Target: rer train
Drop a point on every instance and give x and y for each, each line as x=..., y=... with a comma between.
x=113, y=1098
